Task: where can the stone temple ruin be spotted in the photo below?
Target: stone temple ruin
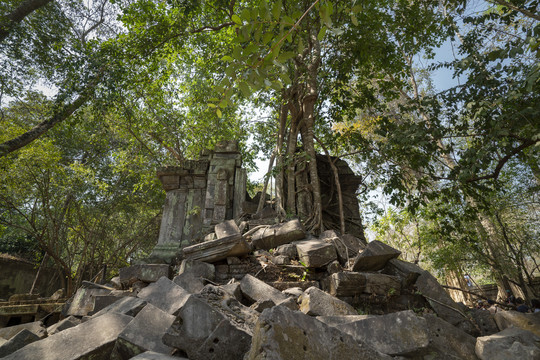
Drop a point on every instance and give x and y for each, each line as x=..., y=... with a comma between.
x=246, y=287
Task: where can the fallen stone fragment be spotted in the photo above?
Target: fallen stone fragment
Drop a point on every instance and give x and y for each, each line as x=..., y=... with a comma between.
x=21, y=339
x=343, y=319
x=36, y=327
x=288, y=250
x=64, y=324
x=146, y=272
x=284, y=285
x=315, y=253
x=93, y=339
x=381, y=284
x=144, y=333
x=226, y=228
x=334, y=267
x=530, y=322
x=165, y=295
x=284, y=334
x=215, y=250
x=255, y=290
x=485, y=321
x=316, y=302
x=401, y=333
x=127, y=306
x=102, y=301
x=511, y=343
x=281, y=260
x=204, y=332
x=152, y=355
x=189, y=282
x=198, y=268
x=346, y=283
x=83, y=301
x=447, y=341
x=346, y=246
x=375, y=256
x=276, y=235
x=406, y=271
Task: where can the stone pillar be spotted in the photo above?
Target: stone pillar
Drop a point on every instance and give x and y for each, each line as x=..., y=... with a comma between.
x=199, y=195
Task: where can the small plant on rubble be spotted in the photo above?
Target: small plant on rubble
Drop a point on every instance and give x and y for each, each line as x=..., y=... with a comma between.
x=305, y=272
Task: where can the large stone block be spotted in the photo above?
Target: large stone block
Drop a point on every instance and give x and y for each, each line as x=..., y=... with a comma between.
x=257, y=290
x=281, y=333
x=127, y=306
x=204, y=332
x=375, y=256
x=147, y=273
x=226, y=228
x=144, y=333
x=215, y=250
x=36, y=327
x=83, y=301
x=381, y=284
x=152, y=355
x=347, y=283
x=315, y=253
x=511, y=343
x=316, y=302
x=93, y=339
x=346, y=246
x=21, y=339
x=64, y=324
x=530, y=322
x=485, y=321
x=276, y=235
x=165, y=295
x=447, y=341
x=401, y=333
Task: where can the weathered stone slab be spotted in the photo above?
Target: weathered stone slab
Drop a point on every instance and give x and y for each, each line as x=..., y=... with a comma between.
x=189, y=282
x=257, y=290
x=199, y=268
x=21, y=339
x=284, y=334
x=315, y=253
x=485, y=321
x=226, y=228
x=276, y=235
x=345, y=283
x=215, y=250
x=144, y=333
x=375, y=256
x=83, y=301
x=146, y=272
x=447, y=341
x=165, y=295
x=401, y=333
x=93, y=339
x=288, y=250
x=203, y=332
x=530, y=322
x=511, y=343
x=316, y=302
x=407, y=271
x=64, y=324
x=347, y=246
x=343, y=319
x=381, y=284
x=152, y=355
x=127, y=306
x=102, y=301
x=36, y=327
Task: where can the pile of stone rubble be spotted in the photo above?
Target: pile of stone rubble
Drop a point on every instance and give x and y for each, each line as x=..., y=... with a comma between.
x=275, y=292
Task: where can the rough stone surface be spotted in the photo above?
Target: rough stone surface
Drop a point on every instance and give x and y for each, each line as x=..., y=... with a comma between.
x=64, y=324
x=203, y=331
x=530, y=322
x=276, y=235
x=21, y=339
x=345, y=283
x=381, y=284
x=288, y=250
x=447, y=341
x=126, y=306
x=147, y=273
x=343, y=319
x=316, y=302
x=485, y=321
x=215, y=250
x=165, y=295
x=284, y=334
x=511, y=343
x=198, y=268
x=83, y=301
x=144, y=333
x=36, y=327
x=226, y=228
x=375, y=256
x=256, y=290
x=401, y=333
x=152, y=355
x=93, y=339
x=315, y=253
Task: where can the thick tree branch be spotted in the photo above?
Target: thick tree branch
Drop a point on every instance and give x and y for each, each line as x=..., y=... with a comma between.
x=7, y=22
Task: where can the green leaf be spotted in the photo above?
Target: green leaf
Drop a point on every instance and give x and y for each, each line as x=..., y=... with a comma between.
x=227, y=58
x=211, y=105
x=276, y=10
x=246, y=15
x=285, y=56
x=244, y=88
x=218, y=113
x=321, y=34
x=236, y=19
x=267, y=37
x=354, y=20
